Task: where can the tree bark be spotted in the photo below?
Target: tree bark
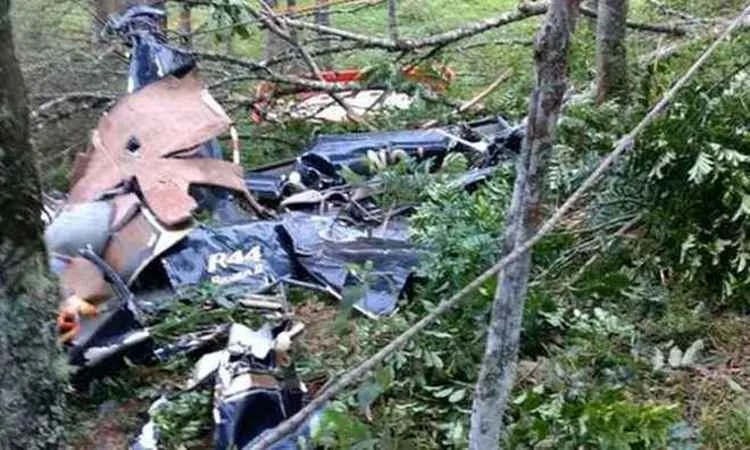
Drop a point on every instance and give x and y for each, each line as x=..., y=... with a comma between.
x=323, y=17
x=611, y=54
x=496, y=374
x=274, y=46
x=392, y=20
x=31, y=401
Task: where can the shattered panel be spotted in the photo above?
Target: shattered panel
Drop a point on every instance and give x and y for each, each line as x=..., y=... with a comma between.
x=163, y=119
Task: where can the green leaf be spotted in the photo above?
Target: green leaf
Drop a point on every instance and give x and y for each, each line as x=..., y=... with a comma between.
x=735, y=387
x=663, y=162
x=744, y=209
x=520, y=398
x=457, y=396
x=443, y=393
x=368, y=394
x=703, y=166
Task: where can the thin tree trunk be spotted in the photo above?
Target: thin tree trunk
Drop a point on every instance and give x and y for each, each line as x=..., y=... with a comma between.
x=393, y=20
x=31, y=401
x=296, y=66
x=498, y=365
x=185, y=27
x=323, y=18
x=611, y=54
x=274, y=46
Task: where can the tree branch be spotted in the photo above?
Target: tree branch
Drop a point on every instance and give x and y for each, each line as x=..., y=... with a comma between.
x=263, y=72
x=476, y=99
x=73, y=97
x=654, y=28
x=521, y=12
x=309, y=61
x=272, y=436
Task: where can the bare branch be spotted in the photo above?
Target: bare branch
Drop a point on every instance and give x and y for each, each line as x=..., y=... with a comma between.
x=666, y=10
x=492, y=42
x=654, y=28
x=666, y=52
x=477, y=98
x=272, y=436
x=73, y=97
x=263, y=72
x=521, y=12
x=292, y=39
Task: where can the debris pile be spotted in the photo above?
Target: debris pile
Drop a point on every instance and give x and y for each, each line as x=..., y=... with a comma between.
x=127, y=226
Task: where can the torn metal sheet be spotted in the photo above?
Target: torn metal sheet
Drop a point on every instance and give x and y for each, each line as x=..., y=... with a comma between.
x=148, y=439
x=321, y=107
x=115, y=328
x=77, y=226
x=251, y=395
x=337, y=256
x=140, y=139
x=135, y=245
x=195, y=342
x=248, y=257
x=321, y=166
x=151, y=59
x=315, y=251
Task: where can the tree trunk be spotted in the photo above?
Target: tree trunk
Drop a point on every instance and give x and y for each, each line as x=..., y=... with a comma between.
x=611, y=54
x=323, y=17
x=31, y=401
x=392, y=20
x=523, y=218
x=276, y=46
x=185, y=27
x=273, y=45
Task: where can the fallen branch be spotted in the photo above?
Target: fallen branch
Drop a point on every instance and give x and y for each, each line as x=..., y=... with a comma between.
x=521, y=12
x=511, y=41
x=476, y=99
x=654, y=28
x=306, y=57
x=666, y=10
x=73, y=97
x=625, y=143
x=663, y=53
x=353, y=7
x=263, y=72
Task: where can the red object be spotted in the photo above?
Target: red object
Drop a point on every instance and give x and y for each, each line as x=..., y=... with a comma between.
x=436, y=77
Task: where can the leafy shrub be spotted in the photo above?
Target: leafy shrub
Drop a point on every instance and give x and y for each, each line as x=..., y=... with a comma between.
x=582, y=397
x=698, y=189
x=184, y=418
x=593, y=418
